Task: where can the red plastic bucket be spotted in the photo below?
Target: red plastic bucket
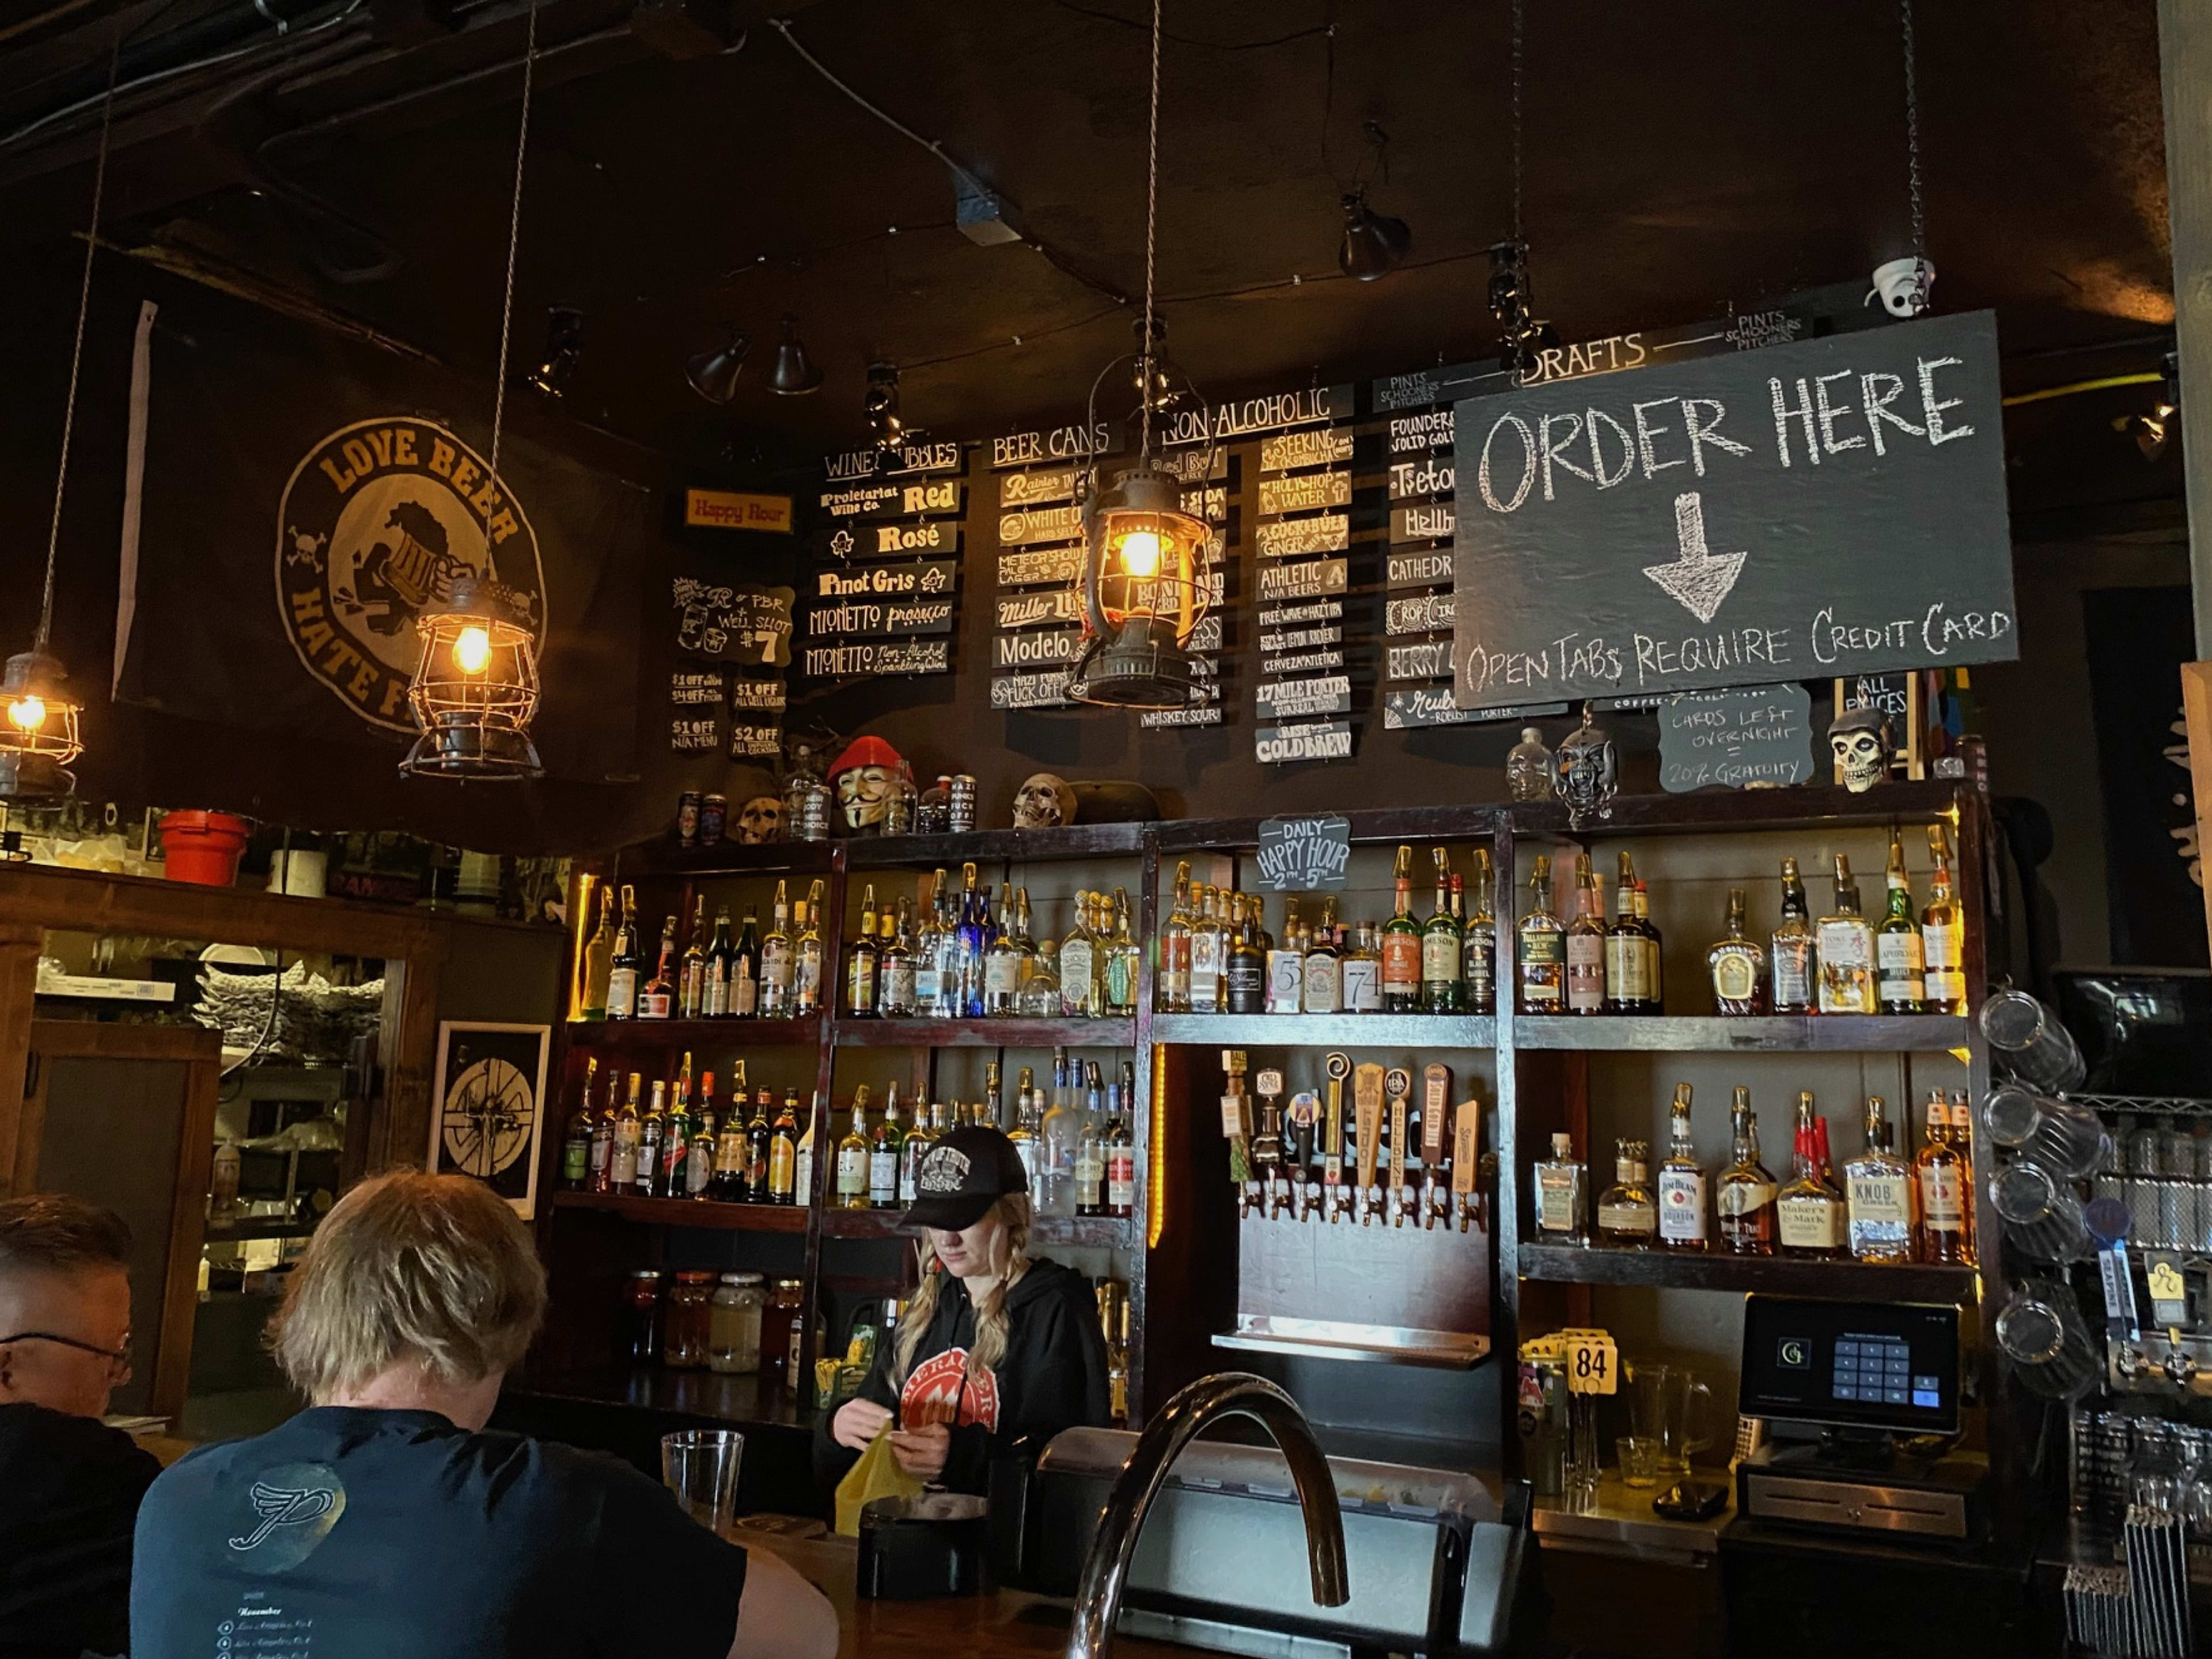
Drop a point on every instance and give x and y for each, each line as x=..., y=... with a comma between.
x=203, y=847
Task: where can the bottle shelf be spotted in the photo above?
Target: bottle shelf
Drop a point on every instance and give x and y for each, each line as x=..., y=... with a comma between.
x=690, y=1212
x=654, y=1034
x=1339, y=1030
x=1325, y=1339
x=1088, y=1231
x=1074, y=841
x=753, y=1400
x=1574, y=1264
x=850, y=1033
x=1753, y=1034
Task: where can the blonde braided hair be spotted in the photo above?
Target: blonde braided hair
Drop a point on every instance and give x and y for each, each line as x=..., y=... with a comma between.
x=1012, y=1213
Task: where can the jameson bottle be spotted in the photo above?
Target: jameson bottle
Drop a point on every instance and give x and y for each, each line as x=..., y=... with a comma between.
x=1899, y=953
x=1441, y=943
x=1401, y=945
x=1479, y=950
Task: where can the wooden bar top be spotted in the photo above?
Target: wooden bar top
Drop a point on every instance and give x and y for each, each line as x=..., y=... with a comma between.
x=1005, y=1625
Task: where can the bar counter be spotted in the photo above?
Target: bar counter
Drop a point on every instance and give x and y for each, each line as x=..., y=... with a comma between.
x=1004, y=1624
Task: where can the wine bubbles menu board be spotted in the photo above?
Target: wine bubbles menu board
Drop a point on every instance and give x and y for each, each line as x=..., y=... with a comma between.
x=1824, y=509
x=884, y=586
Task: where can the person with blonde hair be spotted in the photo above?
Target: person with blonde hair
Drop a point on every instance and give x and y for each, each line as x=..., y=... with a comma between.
x=997, y=1347
x=384, y=1520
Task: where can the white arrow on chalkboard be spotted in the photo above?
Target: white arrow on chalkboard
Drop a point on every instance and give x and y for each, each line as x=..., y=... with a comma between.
x=1700, y=581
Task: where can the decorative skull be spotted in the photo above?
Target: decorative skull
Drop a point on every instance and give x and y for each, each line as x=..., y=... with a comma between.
x=1044, y=802
x=865, y=776
x=1589, y=772
x=1860, y=738
x=760, y=819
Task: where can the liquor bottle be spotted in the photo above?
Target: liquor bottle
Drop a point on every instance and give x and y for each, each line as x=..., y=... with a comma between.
x=1081, y=983
x=1005, y=967
x=699, y=1171
x=1878, y=1188
x=1809, y=1212
x=599, y=960
x=775, y=960
x=1901, y=960
x=1441, y=989
x=783, y=1183
x=1847, y=949
x=628, y=968
x=1173, y=995
x=715, y=987
x=928, y=947
x=1360, y=971
x=629, y=1133
x=862, y=963
x=883, y=1149
x=1654, y=950
x=650, y=1129
x=1627, y=960
x=973, y=937
x=676, y=1138
x=1053, y=1188
x=896, y=978
x=1091, y=1146
x=656, y=998
x=1627, y=1214
x=1737, y=965
x=760, y=1149
x=732, y=1179
x=1401, y=944
x=1943, y=1175
x=691, y=970
x=1562, y=1195
x=990, y=1111
x=1790, y=951
x=1682, y=1207
x=1323, y=990
x=1286, y=964
x=1247, y=966
x=1942, y=934
x=1209, y=951
x=576, y=1144
x=1479, y=951
x=1543, y=947
x=745, y=969
x=1125, y=960
x=928, y=1125
x=600, y=1174
x=1585, y=943
x=807, y=956
x=1743, y=1196
x=1023, y=1134
x=1121, y=1145
x=1040, y=997
x=851, y=1190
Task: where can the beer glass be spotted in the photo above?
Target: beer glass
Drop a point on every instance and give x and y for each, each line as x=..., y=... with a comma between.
x=2031, y=1042
x=2041, y=1330
x=700, y=1465
x=2042, y=1214
x=2064, y=1138
x=1669, y=1405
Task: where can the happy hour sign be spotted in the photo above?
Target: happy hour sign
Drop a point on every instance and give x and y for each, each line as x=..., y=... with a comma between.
x=1834, y=507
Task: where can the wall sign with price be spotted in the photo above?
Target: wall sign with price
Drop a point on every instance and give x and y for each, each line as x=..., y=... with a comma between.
x=1593, y=1362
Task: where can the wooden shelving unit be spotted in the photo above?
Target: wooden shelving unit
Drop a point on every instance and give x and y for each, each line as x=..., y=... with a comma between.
x=1021, y=1033
x=690, y=1213
x=659, y=1036
x=1761, y=1034
x=1775, y=1275
x=1329, y=1031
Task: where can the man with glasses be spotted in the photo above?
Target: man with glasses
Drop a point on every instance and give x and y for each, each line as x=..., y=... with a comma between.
x=69, y=1485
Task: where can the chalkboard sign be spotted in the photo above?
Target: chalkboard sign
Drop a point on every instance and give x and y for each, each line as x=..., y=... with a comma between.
x=1298, y=855
x=1031, y=488
x=888, y=580
x=1736, y=738
x=1324, y=533
x=732, y=622
x=1836, y=505
x=1059, y=443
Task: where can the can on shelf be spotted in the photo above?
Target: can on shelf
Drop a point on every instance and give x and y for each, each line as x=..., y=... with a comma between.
x=713, y=817
x=687, y=818
x=961, y=816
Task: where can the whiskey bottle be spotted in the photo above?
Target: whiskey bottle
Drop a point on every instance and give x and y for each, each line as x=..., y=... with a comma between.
x=676, y=1138
x=1585, y=943
x=806, y=955
x=1626, y=962
x=1542, y=947
x=775, y=960
x=1738, y=966
x=852, y=1188
x=1790, y=949
x=883, y=1149
x=1091, y=1145
x=1901, y=960
x=1846, y=950
x=720, y=955
x=1122, y=1145
x=576, y=1146
x=730, y=1182
x=1809, y=1212
x=1743, y=1196
x=1401, y=944
x=803, y=1192
x=1286, y=964
x=656, y=998
x=1324, y=986
x=1479, y=952
x=1246, y=963
x=1362, y=970
x=1173, y=995
x=1441, y=942
x=626, y=969
x=760, y=1148
x=651, y=1130
x=900, y=974
x=1942, y=935
x=1562, y=1195
x=1943, y=1173
x=1878, y=1191
x=598, y=959
x=1682, y=1224
x=860, y=967
x=1627, y=1214
x=1655, y=951
x=691, y=969
x=745, y=969
x=629, y=1133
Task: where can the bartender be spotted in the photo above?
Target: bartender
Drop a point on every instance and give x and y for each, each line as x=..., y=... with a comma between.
x=996, y=1346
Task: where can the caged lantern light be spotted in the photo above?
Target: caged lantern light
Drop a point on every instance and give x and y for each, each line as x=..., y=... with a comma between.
x=38, y=730
x=475, y=687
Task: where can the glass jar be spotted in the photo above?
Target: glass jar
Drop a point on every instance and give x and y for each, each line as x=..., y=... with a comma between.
x=637, y=1336
x=733, y=1325
x=784, y=1301
x=690, y=1304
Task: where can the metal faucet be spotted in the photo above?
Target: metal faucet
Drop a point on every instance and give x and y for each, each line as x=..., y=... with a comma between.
x=1229, y=1394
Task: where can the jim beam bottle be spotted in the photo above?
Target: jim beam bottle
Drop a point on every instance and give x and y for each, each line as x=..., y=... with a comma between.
x=1274, y=1194
x=1438, y=1146
x=1237, y=1129
x=1367, y=1124
x=1682, y=1206
x=1336, y=1189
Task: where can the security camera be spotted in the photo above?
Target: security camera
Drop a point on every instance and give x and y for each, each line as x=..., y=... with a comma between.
x=1903, y=285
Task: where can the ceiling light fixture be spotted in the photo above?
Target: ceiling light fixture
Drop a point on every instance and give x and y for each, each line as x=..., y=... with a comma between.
x=794, y=375
x=39, y=737
x=714, y=375
x=1375, y=244
x=475, y=686
x=881, y=405
x=564, y=351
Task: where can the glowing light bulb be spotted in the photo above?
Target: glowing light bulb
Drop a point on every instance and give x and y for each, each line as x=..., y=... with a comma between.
x=27, y=714
x=472, y=650
x=1140, y=554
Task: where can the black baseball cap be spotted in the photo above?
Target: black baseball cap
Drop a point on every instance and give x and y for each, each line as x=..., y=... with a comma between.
x=962, y=1175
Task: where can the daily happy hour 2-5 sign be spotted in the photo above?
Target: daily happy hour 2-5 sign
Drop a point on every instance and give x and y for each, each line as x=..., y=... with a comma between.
x=1834, y=507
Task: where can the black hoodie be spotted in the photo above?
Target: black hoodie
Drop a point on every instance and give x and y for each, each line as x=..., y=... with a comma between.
x=1053, y=1378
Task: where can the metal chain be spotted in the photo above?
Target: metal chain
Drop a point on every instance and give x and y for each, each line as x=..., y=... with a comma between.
x=76, y=350
x=1518, y=22
x=1912, y=126
x=514, y=241
x=1151, y=218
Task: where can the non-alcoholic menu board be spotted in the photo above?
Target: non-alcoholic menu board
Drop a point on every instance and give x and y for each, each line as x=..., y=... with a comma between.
x=1831, y=506
x=884, y=590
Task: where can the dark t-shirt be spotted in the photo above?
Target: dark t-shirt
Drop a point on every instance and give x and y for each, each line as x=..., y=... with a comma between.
x=70, y=1488
x=368, y=1534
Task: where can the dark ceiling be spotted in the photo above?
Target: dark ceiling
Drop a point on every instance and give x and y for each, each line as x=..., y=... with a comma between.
x=1682, y=159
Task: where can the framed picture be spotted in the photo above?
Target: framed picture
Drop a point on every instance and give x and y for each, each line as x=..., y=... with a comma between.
x=490, y=1107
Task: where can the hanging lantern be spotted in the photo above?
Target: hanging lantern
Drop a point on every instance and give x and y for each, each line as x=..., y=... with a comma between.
x=38, y=730
x=474, y=688
x=1144, y=595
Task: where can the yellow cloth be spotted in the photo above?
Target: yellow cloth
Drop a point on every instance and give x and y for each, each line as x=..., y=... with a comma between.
x=878, y=1474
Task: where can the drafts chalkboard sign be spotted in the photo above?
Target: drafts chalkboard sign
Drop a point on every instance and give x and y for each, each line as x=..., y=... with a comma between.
x=1834, y=507
x=1298, y=855
x=1738, y=739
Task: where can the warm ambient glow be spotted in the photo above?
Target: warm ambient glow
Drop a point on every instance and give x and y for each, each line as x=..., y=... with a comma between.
x=26, y=714
x=472, y=650
x=1139, y=553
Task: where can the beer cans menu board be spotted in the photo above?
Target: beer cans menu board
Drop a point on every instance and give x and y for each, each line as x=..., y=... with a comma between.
x=1301, y=549
x=885, y=577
